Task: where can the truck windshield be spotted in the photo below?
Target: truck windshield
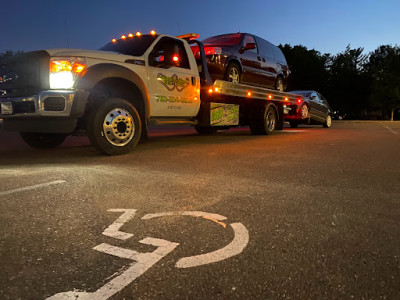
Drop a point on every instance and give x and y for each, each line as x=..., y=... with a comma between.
x=223, y=40
x=135, y=46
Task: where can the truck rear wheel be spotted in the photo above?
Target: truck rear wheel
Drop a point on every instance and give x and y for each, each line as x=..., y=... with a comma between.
x=43, y=140
x=114, y=126
x=264, y=123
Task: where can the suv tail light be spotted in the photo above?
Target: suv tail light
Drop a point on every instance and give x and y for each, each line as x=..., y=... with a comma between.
x=207, y=51
x=212, y=50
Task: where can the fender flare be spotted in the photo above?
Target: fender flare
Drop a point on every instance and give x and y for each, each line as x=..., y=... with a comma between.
x=94, y=74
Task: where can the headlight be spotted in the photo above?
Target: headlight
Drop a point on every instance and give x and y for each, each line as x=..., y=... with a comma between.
x=64, y=71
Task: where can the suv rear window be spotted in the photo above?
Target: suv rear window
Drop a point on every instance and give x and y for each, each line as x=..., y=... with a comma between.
x=135, y=46
x=223, y=40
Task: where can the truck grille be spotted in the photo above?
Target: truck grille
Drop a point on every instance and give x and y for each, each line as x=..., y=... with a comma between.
x=24, y=75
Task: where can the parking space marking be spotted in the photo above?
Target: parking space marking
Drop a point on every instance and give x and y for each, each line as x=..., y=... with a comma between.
x=390, y=129
x=293, y=131
x=235, y=247
x=113, y=229
x=186, y=213
x=142, y=261
x=117, y=251
x=31, y=187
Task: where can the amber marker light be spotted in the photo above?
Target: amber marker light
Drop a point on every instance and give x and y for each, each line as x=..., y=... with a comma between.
x=114, y=40
x=286, y=99
x=153, y=32
x=130, y=35
x=78, y=67
x=249, y=94
x=210, y=91
x=216, y=89
x=138, y=33
x=269, y=97
x=123, y=37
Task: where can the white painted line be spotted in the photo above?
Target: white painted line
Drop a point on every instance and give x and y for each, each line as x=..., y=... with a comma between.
x=31, y=187
x=186, y=213
x=113, y=229
x=144, y=261
x=293, y=131
x=235, y=247
x=390, y=129
x=117, y=251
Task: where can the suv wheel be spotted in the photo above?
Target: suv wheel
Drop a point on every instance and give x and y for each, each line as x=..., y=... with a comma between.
x=232, y=73
x=279, y=84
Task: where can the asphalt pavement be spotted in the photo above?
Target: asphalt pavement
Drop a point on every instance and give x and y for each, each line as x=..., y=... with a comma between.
x=305, y=213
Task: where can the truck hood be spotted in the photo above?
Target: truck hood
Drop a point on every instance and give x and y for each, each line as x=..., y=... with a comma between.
x=106, y=55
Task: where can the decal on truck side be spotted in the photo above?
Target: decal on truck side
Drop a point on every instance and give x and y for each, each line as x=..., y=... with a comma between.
x=173, y=99
x=173, y=82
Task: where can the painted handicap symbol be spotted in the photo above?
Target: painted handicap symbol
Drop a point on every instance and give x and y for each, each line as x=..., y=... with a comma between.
x=144, y=261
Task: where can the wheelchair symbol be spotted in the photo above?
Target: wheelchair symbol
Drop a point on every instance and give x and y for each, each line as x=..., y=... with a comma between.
x=144, y=261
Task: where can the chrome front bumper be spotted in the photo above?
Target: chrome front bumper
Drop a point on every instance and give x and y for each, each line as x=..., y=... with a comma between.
x=38, y=105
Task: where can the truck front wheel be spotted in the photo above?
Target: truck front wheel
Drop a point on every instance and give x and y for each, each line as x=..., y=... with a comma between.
x=43, y=140
x=114, y=126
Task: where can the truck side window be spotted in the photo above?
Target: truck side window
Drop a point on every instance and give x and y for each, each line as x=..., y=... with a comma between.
x=169, y=53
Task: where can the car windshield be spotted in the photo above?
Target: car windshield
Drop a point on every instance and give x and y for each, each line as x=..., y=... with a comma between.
x=135, y=46
x=302, y=93
x=223, y=40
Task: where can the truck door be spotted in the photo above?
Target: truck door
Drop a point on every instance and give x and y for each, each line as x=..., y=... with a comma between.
x=173, y=84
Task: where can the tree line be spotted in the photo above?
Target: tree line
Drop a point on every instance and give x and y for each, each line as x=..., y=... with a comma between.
x=356, y=84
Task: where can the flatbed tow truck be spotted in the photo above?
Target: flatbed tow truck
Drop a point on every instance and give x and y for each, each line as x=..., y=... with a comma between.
x=114, y=93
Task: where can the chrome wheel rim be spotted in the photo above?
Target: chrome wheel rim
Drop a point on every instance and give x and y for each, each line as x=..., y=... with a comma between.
x=234, y=75
x=118, y=127
x=328, y=121
x=304, y=112
x=279, y=85
x=270, y=121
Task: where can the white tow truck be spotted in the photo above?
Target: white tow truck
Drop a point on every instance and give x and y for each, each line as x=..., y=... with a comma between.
x=113, y=94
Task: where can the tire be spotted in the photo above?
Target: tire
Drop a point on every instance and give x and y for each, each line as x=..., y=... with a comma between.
x=233, y=73
x=114, y=126
x=279, y=84
x=328, y=122
x=264, y=123
x=43, y=140
x=293, y=124
x=205, y=130
x=304, y=112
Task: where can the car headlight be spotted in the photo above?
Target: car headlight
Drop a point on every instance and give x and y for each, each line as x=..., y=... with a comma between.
x=64, y=71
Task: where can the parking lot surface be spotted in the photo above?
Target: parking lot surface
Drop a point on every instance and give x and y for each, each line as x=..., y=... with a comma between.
x=303, y=213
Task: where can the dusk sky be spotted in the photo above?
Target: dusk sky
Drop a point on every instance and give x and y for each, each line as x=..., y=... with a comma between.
x=323, y=25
